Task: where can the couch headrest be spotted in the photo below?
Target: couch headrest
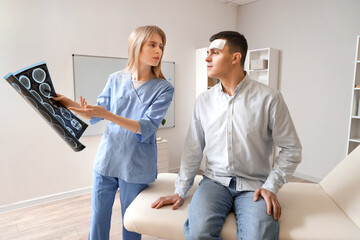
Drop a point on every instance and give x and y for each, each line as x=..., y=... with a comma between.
x=342, y=184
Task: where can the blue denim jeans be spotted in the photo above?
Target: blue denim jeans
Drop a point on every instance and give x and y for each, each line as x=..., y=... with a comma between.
x=211, y=204
x=103, y=195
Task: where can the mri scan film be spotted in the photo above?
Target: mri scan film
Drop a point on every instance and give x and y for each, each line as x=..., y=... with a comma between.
x=34, y=84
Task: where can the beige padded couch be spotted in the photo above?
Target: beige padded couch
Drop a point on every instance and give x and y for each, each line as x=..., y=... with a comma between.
x=328, y=210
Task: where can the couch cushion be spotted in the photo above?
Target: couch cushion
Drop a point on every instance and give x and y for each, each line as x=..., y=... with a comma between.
x=309, y=213
x=164, y=222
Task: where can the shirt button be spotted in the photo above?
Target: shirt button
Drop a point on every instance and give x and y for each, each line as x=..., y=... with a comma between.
x=230, y=164
x=229, y=133
x=229, y=148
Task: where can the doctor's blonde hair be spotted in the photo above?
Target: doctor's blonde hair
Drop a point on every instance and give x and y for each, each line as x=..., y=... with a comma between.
x=136, y=40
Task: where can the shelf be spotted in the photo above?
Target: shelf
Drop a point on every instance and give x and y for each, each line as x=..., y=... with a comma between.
x=268, y=76
x=261, y=70
x=212, y=82
x=354, y=127
x=352, y=146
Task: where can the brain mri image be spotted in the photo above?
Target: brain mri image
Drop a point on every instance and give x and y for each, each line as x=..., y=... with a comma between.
x=35, y=86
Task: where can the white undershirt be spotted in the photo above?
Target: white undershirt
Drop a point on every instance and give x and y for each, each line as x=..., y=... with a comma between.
x=137, y=84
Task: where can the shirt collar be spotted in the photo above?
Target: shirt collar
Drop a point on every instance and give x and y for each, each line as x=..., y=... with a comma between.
x=239, y=88
x=242, y=85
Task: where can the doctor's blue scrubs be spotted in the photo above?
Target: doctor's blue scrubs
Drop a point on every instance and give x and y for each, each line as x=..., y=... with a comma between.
x=126, y=160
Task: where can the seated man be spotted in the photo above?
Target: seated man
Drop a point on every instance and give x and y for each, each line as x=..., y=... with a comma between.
x=237, y=122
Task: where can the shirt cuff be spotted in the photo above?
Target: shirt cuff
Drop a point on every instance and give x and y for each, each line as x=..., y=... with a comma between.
x=144, y=130
x=181, y=193
x=271, y=186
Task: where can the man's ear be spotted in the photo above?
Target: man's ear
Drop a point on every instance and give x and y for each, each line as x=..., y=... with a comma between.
x=236, y=58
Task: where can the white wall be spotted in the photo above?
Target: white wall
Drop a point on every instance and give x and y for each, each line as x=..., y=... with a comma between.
x=317, y=40
x=35, y=162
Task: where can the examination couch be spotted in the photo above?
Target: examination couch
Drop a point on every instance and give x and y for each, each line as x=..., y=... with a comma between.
x=328, y=210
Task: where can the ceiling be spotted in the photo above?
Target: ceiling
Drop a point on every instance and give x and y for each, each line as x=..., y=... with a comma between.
x=236, y=2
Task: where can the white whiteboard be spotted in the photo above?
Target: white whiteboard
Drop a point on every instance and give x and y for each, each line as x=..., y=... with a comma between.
x=91, y=74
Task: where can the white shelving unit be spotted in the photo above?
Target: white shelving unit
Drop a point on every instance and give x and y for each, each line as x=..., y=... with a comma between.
x=269, y=74
x=354, y=125
x=163, y=156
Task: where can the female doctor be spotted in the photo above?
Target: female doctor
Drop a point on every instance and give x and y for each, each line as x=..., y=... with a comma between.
x=135, y=101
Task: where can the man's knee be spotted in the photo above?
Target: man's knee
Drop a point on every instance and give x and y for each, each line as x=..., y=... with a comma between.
x=253, y=222
x=203, y=230
x=261, y=226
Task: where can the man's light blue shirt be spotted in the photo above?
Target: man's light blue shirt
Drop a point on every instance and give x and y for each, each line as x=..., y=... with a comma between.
x=237, y=134
x=123, y=153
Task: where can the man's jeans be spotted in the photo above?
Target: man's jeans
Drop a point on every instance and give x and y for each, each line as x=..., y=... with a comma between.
x=211, y=204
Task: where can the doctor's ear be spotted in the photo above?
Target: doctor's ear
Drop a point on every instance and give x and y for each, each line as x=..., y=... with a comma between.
x=236, y=57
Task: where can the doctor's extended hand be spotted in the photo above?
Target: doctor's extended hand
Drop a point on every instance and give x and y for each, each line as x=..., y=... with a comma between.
x=175, y=199
x=89, y=111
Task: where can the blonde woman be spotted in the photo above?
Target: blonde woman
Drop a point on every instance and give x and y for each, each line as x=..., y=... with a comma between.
x=135, y=101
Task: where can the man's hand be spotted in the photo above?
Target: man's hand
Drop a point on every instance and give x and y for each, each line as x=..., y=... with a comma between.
x=172, y=199
x=271, y=200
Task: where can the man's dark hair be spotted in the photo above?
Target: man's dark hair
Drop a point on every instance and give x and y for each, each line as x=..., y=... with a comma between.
x=236, y=43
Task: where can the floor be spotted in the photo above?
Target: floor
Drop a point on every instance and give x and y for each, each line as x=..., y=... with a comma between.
x=63, y=219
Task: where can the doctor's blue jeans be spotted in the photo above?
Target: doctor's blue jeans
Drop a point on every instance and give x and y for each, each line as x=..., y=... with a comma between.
x=103, y=196
x=211, y=204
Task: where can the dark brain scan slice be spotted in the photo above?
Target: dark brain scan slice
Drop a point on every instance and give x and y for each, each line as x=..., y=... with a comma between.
x=34, y=84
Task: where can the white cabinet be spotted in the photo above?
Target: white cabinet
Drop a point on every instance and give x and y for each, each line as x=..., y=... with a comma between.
x=263, y=65
x=163, y=156
x=268, y=75
x=354, y=125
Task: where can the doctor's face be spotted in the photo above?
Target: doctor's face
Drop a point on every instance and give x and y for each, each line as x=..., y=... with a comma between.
x=152, y=51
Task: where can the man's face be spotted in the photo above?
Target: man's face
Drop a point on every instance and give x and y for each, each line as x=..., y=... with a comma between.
x=219, y=61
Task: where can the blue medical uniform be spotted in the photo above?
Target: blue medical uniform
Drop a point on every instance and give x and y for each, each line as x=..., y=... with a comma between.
x=126, y=160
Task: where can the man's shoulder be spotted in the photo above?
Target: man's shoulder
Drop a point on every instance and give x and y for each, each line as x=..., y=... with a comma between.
x=210, y=93
x=262, y=89
x=205, y=98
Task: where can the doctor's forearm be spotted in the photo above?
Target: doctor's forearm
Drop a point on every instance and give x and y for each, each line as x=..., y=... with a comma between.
x=129, y=124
